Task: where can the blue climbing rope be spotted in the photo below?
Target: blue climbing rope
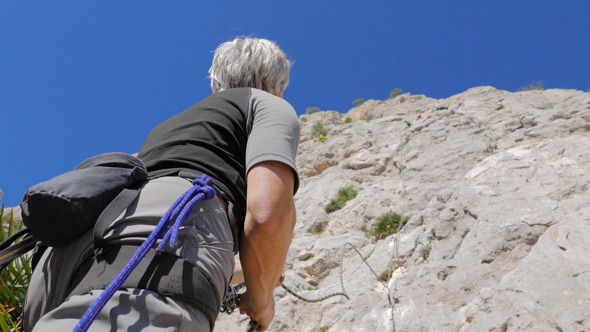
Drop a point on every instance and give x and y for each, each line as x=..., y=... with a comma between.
x=180, y=210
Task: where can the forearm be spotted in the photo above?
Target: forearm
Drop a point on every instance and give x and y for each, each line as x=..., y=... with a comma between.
x=263, y=250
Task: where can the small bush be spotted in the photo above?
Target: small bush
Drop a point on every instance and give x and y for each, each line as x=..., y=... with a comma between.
x=395, y=93
x=14, y=280
x=387, y=224
x=538, y=85
x=319, y=130
x=499, y=107
x=348, y=120
x=304, y=119
x=314, y=232
x=344, y=195
x=408, y=123
x=358, y=102
x=311, y=110
x=425, y=252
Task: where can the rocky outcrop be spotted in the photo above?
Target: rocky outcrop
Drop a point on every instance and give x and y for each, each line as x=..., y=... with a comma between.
x=496, y=188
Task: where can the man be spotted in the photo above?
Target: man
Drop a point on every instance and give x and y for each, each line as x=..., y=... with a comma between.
x=245, y=137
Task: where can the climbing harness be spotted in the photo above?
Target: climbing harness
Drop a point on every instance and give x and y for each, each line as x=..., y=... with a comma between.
x=179, y=211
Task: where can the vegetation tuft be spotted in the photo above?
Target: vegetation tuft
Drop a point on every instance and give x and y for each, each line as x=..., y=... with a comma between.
x=395, y=93
x=387, y=224
x=344, y=195
x=358, y=102
x=425, y=252
x=14, y=280
x=538, y=85
x=311, y=110
x=319, y=130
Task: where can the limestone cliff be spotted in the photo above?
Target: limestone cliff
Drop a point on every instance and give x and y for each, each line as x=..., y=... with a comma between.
x=496, y=188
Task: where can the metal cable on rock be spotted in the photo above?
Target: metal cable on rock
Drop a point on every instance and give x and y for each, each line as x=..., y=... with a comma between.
x=343, y=292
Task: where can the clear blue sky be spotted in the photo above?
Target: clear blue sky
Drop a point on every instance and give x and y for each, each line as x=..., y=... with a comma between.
x=79, y=78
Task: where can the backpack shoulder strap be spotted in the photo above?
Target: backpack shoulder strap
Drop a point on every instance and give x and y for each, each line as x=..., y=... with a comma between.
x=10, y=251
x=112, y=211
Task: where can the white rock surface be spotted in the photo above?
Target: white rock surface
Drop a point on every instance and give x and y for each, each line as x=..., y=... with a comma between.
x=495, y=183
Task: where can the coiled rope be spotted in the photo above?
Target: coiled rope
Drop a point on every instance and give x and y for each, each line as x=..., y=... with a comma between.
x=180, y=210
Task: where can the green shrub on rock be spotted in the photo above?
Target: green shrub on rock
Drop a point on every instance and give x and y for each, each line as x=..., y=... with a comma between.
x=344, y=195
x=387, y=224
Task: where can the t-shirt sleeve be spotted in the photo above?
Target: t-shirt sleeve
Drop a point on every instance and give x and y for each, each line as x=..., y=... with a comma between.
x=274, y=134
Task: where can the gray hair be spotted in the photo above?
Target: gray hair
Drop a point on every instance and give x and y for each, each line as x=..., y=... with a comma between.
x=250, y=62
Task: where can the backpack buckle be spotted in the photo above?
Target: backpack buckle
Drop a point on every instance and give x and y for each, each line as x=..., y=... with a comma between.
x=97, y=252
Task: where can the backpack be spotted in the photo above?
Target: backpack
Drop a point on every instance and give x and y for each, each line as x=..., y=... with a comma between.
x=57, y=211
x=93, y=195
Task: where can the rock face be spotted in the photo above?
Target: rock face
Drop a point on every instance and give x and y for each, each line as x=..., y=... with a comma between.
x=496, y=188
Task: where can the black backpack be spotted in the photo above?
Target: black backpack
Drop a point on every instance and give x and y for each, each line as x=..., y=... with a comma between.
x=57, y=211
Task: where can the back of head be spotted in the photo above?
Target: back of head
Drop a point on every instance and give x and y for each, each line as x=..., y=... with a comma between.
x=250, y=62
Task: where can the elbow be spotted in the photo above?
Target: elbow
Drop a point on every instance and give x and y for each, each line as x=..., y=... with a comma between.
x=271, y=223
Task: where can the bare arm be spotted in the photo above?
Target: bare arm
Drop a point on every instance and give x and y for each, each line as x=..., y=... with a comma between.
x=270, y=219
x=238, y=276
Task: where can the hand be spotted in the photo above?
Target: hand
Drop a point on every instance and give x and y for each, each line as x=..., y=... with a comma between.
x=245, y=308
x=261, y=314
